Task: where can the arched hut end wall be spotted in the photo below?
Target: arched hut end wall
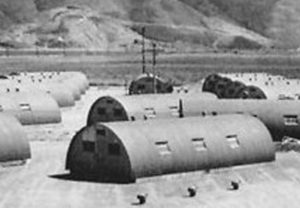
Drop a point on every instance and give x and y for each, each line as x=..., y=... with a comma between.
x=106, y=109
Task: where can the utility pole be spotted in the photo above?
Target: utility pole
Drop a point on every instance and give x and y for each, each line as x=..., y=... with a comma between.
x=180, y=110
x=143, y=50
x=153, y=67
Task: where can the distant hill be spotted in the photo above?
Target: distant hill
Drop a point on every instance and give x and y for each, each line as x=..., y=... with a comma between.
x=174, y=24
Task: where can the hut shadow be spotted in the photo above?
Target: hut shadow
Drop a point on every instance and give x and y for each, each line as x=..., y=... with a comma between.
x=136, y=204
x=90, y=179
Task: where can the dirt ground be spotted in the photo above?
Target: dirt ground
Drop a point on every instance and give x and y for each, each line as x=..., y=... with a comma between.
x=43, y=181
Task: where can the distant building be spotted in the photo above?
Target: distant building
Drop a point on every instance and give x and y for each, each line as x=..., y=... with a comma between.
x=226, y=88
x=281, y=117
x=143, y=107
x=147, y=83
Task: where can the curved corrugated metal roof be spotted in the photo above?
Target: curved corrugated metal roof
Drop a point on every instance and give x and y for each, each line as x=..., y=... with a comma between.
x=144, y=84
x=281, y=117
x=14, y=145
x=137, y=107
x=166, y=146
x=36, y=108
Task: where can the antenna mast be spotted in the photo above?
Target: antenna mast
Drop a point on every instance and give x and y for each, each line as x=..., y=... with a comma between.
x=143, y=50
x=153, y=67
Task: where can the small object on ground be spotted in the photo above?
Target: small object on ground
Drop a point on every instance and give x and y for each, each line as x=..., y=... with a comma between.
x=192, y=191
x=142, y=198
x=235, y=185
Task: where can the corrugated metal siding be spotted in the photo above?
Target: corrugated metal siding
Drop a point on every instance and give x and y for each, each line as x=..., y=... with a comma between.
x=14, y=145
x=36, y=108
x=255, y=143
x=144, y=84
x=59, y=83
x=174, y=145
x=270, y=112
x=143, y=107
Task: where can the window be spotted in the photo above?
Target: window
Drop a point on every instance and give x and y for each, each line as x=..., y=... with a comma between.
x=163, y=148
x=149, y=79
x=25, y=107
x=141, y=87
x=199, y=144
x=88, y=146
x=174, y=111
x=101, y=132
x=214, y=113
x=158, y=87
x=114, y=149
x=220, y=87
x=1, y=108
x=101, y=111
x=231, y=91
x=118, y=112
x=109, y=101
x=150, y=113
x=233, y=141
x=291, y=120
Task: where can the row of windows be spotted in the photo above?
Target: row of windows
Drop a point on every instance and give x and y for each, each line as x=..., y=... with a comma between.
x=163, y=147
x=199, y=145
x=117, y=112
x=142, y=87
x=289, y=120
x=114, y=149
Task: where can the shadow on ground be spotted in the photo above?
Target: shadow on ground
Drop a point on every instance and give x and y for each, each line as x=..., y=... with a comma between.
x=91, y=179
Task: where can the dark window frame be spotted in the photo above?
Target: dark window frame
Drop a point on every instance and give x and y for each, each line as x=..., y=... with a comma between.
x=163, y=148
x=199, y=144
x=291, y=120
x=117, y=112
x=114, y=149
x=141, y=87
x=88, y=146
x=101, y=111
x=101, y=132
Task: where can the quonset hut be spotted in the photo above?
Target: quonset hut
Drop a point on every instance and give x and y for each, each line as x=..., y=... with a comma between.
x=61, y=94
x=35, y=108
x=141, y=107
x=225, y=88
x=281, y=117
x=65, y=87
x=125, y=151
x=14, y=145
x=146, y=83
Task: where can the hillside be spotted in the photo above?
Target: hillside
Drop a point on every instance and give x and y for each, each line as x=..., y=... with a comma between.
x=179, y=24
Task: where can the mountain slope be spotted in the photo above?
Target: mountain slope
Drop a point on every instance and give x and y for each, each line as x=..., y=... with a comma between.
x=285, y=24
x=115, y=24
x=16, y=11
